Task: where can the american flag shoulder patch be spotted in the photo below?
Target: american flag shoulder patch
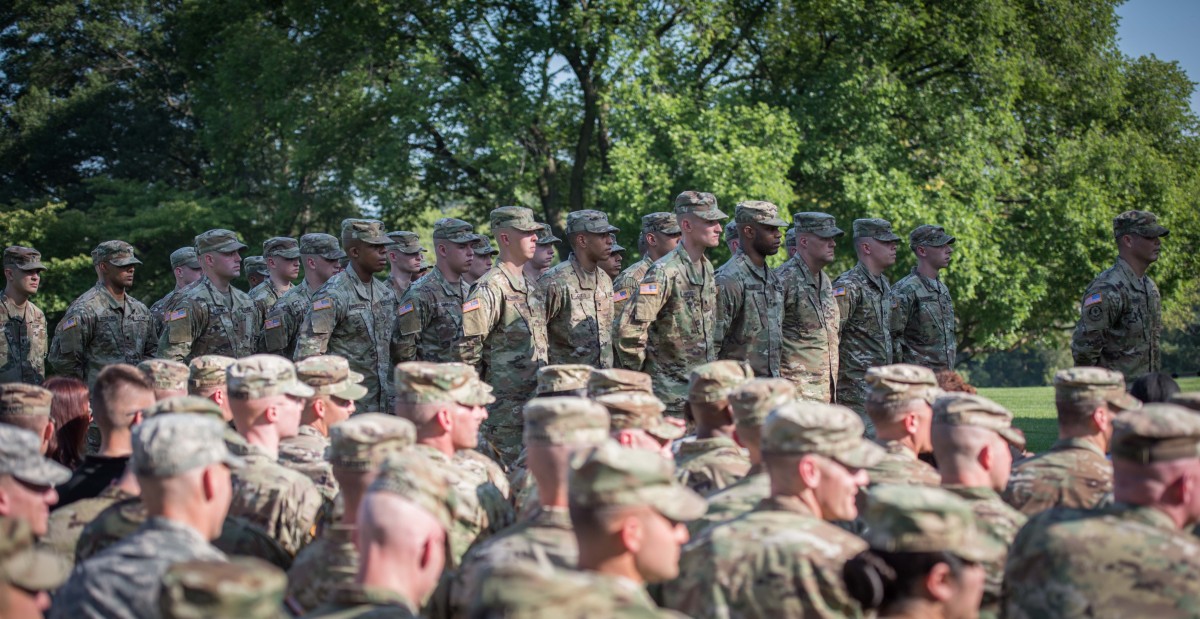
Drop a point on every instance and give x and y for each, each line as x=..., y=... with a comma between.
x=648, y=289
x=322, y=304
x=471, y=305
x=178, y=314
x=272, y=323
x=71, y=323
x=840, y=291
x=621, y=296
x=404, y=309
x=1092, y=299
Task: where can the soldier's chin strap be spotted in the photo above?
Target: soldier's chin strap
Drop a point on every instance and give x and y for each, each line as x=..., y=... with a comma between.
x=1147, y=451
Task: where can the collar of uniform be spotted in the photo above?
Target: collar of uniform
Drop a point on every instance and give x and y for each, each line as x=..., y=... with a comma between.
x=743, y=261
x=1063, y=444
x=357, y=595
x=972, y=492
x=1143, y=514
x=434, y=453
x=454, y=290
x=555, y=517
x=516, y=280
x=587, y=281
x=930, y=283
x=112, y=301
x=704, y=445
x=695, y=272
x=1127, y=273
x=361, y=288
x=897, y=448
x=253, y=452
x=11, y=306
x=307, y=430
x=806, y=274
x=876, y=280
x=626, y=587
x=781, y=503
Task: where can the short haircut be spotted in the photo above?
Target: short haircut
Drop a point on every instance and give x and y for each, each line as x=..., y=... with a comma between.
x=109, y=391
x=1075, y=413
x=889, y=411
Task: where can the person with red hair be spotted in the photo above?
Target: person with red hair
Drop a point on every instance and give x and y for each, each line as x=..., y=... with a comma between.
x=70, y=412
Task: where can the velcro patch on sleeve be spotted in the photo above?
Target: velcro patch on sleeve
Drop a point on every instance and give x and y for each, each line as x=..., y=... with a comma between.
x=272, y=323
x=1092, y=299
x=322, y=304
x=178, y=314
x=621, y=296
x=648, y=289
x=840, y=291
x=471, y=305
x=71, y=323
x=404, y=309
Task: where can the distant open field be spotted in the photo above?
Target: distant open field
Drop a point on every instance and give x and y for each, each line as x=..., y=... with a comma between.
x=1033, y=408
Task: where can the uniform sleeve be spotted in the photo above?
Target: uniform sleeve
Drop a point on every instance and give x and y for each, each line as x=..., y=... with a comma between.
x=848, y=298
x=411, y=319
x=636, y=317
x=1100, y=308
x=182, y=321
x=730, y=296
x=274, y=334
x=150, y=337
x=71, y=336
x=320, y=319
x=481, y=313
x=550, y=295
x=901, y=300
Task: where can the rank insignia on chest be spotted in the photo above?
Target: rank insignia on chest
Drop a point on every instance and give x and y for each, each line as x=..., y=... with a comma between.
x=1092, y=299
x=70, y=324
x=620, y=296
x=648, y=289
x=272, y=323
x=404, y=309
x=471, y=305
x=840, y=291
x=176, y=315
x=323, y=304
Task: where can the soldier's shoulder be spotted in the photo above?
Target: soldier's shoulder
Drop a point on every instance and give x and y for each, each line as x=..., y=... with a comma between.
x=261, y=291
x=851, y=279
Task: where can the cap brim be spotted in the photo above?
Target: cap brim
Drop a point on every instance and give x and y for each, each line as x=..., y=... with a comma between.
x=33, y=266
x=679, y=503
x=1013, y=437
x=37, y=569
x=829, y=234
x=290, y=254
x=887, y=238
x=480, y=395
x=458, y=238
x=45, y=472
x=124, y=262
x=981, y=548
x=672, y=230
x=1154, y=232
x=226, y=248
x=865, y=455
x=946, y=240
x=1124, y=401
x=298, y=389
x=549, y=240
x=524, y=227
x=376, y=240
x=483, y=251
x=191, y=264
x=777, y=222
x=352, y=391
x=712, y=215
x=333, y=255
x=666, y=430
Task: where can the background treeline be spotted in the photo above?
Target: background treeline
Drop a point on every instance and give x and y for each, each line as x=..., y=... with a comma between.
x=1018, y=125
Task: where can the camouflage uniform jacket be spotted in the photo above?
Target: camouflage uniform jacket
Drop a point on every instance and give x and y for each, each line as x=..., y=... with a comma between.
x=281, y=325
x=901, y=466
x=1116, y=562
x=810, y=331
x=23, y=345
x=1073, y=473
x=265, y=295
x=525, y=496
x=98, y=330
x=707, y=465
x=356, y=602
x=124, y=580
x=480, y=511
x=579, y=314
x=321, y=568
x=624, y=287
x=204, y=321
x=353, y=319
x=525, y=590
x=67, y=523
x=922, y=322
x=734, y=501
x=776, y=561
x=866, y=337
x=750, y=315
x=668, y=327
x=305, y=453
x=1120, y=323
x=429, y=320
x=483, y=467
x=283, y=502
x=1000, y=521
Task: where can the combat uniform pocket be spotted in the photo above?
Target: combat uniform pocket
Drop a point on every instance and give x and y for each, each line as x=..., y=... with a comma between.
x=323, y=316
x=179, y=327
x=274, y=335
x=408, y=320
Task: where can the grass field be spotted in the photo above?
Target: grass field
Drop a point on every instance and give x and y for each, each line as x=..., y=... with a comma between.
x=1033, y=409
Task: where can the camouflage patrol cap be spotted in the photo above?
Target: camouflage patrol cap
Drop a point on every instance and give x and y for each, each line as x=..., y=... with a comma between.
x=754, y=399
x=331, y=375
x=22, y=400
x=514, y=217
x=369, y=231
x=829, y=430
x=545, y=236
x=965, y=409
x=789, y=239
x=1187, y=399
x=165, y=374
x=23, y=258
x=589, y=221
x=281, y=246
x=240, y=587
x=116, y=253
x=562, y=377
x=320, y=244
x=878, y=229
x=617, y=248
x=699, y=203
x=661, y=222
x=417, y=478
x=820, y=224
x=901, y=382
x=926, y=519
x=23, y=563
x=408, y=242
x=453, y=230
x=637, y=410
x=1092, y=383
x=260, y=376
x=170, y=444
x=422, y=382
x=218, y=240
x=21, y=457
x=928, y=235
x=194, y=405
x=483, y=247
x=731, y=231
x=208, y=371
x=255, y=265
x=613, y=476
x=565, y=420
x=361, y=442
x=712, y=381
x=758, y=212
x=1156, y=432
x=613, y=380
x=185, y=257
x=1141, y=223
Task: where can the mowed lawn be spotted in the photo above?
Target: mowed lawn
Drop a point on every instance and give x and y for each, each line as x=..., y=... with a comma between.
x=1033, y=409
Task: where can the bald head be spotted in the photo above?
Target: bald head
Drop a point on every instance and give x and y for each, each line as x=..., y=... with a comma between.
x=971, y=456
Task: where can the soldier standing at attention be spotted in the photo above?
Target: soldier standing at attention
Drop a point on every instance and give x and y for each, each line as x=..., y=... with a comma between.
x=713, y=460
x=104, y=325
x=23, y=344
x=186, y=267
x=484, y=253
x=543, y=256
x=669, y=325
x=660, y=234
x=899, y=402
x=750, y=294
x=404, y=261
x=732, y=240
x=1120, y=318
x=810, y=314
x=212, y=317
x=429, y=317
x=353, y=313
x=283, y=267
x=255, y=268
x=616, y=258
x=789, y=242
x=865, y=337
x=504, y=333
x=320, y=254
x=921, y=311
x=576, y=295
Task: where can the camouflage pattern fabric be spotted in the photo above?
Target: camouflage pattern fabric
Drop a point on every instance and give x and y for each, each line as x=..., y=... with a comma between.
x=265, y=295
x=1120, y=323
x=355, y=602
x=240, y=587
x=901, y=466
x=528, y=591
x=24, y=344
x=305, y=453
x=865, y=333
x=285, y=503
x=429, y=320
x=579, y=314
x=1074, y=473
x=1000, y=521
x=321, y=568
x=481, y=509
x=707, y=465
x=96, y=331
x=158, y=311
x=67, y=523
x=281, y=324
x=750, y=315
x=922, y=322
x=483, y=467
x=203, y=321
x=734, y=501
x=625, y=285
x=810, y=331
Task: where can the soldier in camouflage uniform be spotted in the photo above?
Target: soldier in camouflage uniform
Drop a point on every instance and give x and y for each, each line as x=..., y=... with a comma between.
x=27, y=479
x=789, y=242
x=669, y=325
x=353, y=313
x=865, y=336
x=659, y=235
x=182, y=453
x=357, y=447
x=971, y=439
x=750, y=294
x=1132, y=559
x=104, y=325
x=242, y=587
x=67, y=523
x=543, y=254
x=206, y=379
x=28, y=572
x=712, y=460
x=186, y=267
x=616, y=258
x=429, y=318
x=783, y=559
x=576, y=295
x=405, y=258
x=484, y=256
x=281, y=325
x=810, y=314
x=24, y=341
x=899, y=404
x=212, y=317
x=504, y=335
x=169, y=378
x=1120, y=317
x=255, y=270
x=732, y=239
x=1075, y=472
x=921, y=311
x=636, y=415
x=282, y=254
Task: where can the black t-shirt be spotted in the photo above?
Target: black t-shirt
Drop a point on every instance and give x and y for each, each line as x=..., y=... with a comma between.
x=91, y=478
